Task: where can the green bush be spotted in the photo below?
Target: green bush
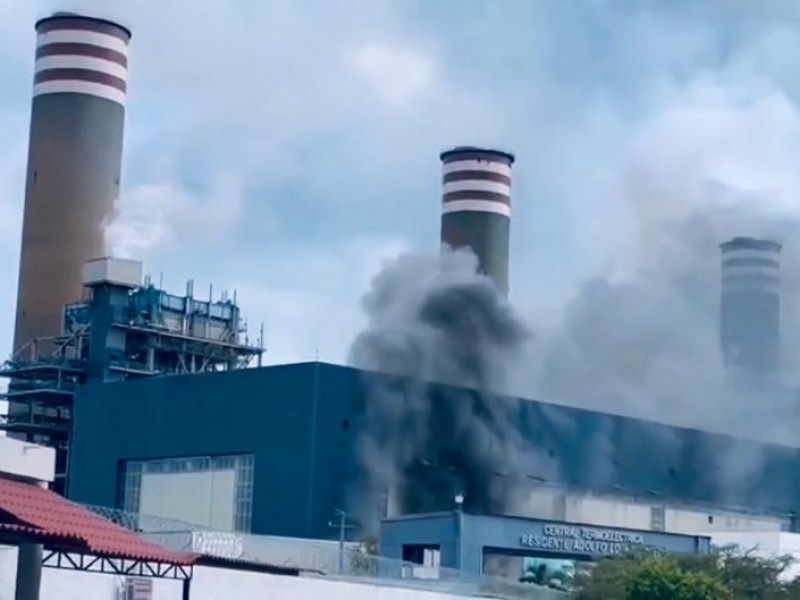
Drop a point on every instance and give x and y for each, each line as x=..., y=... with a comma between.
x=663, y=579
x=727, y=573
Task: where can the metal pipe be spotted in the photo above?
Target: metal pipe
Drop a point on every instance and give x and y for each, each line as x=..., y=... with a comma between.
x=342, y=526
x=187, y=587
x=29, y=569
x=29, y=572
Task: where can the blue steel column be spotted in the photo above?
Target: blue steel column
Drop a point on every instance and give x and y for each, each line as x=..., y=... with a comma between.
x=106, y=341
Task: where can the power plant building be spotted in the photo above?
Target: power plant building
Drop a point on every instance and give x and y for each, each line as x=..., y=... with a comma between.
x=275, y=450
x=124, y=329
x=476, y=207
x=478, y=543
x=146, y=397
x=751, y=305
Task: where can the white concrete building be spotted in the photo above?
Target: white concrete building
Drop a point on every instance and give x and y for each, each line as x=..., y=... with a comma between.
x=630, y=512
x=27, y=462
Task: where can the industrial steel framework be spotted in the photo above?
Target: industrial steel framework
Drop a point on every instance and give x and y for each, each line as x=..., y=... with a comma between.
x=117, y=334
x=45, y=388
x=93, y=563
x=81, y=560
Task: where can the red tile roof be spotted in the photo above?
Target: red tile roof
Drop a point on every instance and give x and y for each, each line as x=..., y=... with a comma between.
x=43, y=514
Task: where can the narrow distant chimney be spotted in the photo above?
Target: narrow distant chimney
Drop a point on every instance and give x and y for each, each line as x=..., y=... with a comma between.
x=750, y=305
x=476, y=207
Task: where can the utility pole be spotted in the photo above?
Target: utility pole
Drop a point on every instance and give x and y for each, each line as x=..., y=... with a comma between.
x=343, y=526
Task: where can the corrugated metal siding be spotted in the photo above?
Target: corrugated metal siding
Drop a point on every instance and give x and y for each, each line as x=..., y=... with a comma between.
x=285, y=415
x=264, y=411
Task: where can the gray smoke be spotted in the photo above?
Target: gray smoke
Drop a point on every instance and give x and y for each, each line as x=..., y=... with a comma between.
x=709, y=153
x=646, y=343
x=647, y=346
x=642, y=341
x=440, y=344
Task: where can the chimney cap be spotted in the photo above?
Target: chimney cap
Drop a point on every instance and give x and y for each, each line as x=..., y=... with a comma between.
x=71, y=15
x=456, y=152
x=750, y=243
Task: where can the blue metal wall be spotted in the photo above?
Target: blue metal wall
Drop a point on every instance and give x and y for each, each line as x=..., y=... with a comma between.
x=463, y=538
x=290, y=418
x=300, y=422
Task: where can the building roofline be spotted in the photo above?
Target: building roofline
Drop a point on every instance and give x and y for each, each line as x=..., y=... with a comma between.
x=750, y=243
x=470, y=515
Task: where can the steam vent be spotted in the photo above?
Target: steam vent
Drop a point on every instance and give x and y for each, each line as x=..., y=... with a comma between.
x=74, y=163
x=476, y=206
x=750, y=305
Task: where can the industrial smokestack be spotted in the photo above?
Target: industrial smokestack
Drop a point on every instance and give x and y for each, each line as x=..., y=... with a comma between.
x=476, y=206
x=750, y=305
x=74, y=163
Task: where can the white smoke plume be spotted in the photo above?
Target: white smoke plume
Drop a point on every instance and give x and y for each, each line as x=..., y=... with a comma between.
x=140, y=222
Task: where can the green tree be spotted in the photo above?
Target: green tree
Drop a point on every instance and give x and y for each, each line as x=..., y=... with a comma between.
x=663, y=579
x=604, y=580
x=744, y=575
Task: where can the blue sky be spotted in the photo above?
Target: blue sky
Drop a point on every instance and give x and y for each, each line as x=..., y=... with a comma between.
x=287, y=149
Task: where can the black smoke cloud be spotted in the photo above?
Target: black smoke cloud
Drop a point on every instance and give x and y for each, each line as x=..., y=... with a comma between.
x=440, y=344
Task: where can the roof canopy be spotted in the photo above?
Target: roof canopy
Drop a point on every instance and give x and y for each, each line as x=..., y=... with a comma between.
x=79, y=539
x=29, y=513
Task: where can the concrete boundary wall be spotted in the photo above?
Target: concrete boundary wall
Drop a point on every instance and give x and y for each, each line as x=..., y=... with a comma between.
x=220, y=584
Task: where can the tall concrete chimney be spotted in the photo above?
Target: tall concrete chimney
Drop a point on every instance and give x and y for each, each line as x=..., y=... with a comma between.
x=750, y=305
x=476, y=206
x=74, y=163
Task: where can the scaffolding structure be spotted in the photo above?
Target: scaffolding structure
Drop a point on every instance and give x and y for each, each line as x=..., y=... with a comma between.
x=122, y=330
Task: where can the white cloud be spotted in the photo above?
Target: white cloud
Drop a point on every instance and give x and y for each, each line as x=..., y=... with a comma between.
x=310, y=301
x=398, y=76
x=716, y=149
x=270, y=134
